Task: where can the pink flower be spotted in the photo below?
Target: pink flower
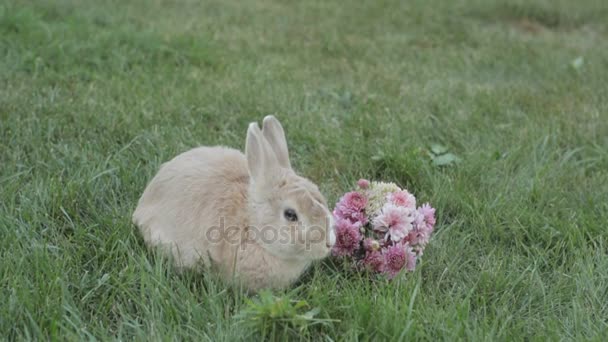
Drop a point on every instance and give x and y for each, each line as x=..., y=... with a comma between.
x=354, y=201
x=374, y=261
x=350, y=207
x=410, y=258
x=397, y=221
x=348, y=238
x=363, y=183
x=417, y=237
x=343, y=213
x=423, y=226
x=428, y=213
x=402, y=199
x=395, y=259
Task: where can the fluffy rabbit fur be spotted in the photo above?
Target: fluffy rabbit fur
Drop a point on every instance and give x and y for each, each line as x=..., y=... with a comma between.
x=249, y=217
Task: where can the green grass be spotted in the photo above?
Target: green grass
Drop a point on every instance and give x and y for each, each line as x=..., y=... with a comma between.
x=95, y=95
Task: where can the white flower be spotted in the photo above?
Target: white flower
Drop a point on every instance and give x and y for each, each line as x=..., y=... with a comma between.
x=376, y=194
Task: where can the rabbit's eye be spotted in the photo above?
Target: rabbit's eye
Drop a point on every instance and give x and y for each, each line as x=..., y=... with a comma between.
x=290, y=215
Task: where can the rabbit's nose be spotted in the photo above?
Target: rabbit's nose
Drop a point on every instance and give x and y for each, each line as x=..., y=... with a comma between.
x=332, y=237
x=331, y=240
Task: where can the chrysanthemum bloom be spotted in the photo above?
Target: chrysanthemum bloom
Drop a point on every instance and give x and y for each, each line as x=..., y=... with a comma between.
x=394, y=259
x=396, y=221
x=351, y=206
x=354, y=201
x=424, y=222
x=376, y=195
x=420, y=233
x=418, y=238
x=342, y=212
x=374, y=261
x=402, y=198
x=348, y=238
x=429, y=214
x=410, y=258
x=363, y=183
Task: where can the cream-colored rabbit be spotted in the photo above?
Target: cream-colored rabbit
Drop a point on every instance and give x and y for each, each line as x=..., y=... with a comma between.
x=250, y=217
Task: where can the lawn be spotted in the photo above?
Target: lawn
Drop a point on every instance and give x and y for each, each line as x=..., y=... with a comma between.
x=95, y=95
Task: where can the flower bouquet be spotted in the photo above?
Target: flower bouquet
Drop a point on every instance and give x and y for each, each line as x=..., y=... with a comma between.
x=380, y=229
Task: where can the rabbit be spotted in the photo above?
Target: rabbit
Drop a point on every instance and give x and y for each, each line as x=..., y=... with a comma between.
x=250, y=217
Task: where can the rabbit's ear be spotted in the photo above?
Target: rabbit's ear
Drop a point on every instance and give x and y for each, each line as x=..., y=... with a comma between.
x=260, y=157
x=274, y=134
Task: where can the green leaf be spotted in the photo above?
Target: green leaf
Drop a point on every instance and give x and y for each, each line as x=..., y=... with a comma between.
x=300, y=304
x=379, y=156
x=438, y=149
x=446, y=160
x=578, y=62
x=310, y=314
